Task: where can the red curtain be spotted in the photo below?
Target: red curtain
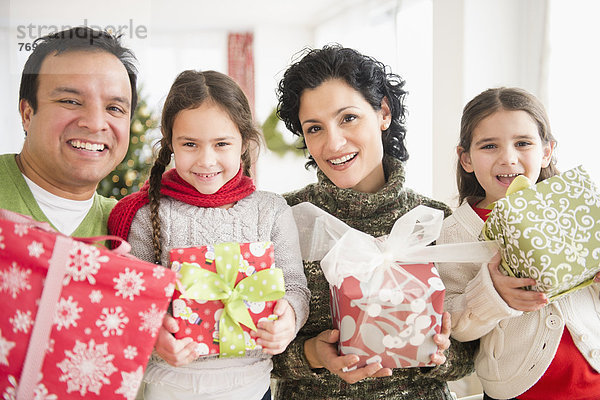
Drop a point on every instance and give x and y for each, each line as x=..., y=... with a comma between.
x=241, y=62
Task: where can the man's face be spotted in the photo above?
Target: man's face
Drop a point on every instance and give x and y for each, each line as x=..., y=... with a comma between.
x=80, y=130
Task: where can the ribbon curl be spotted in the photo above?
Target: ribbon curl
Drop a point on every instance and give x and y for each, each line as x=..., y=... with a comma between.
x=346, y=252
x=199, y=284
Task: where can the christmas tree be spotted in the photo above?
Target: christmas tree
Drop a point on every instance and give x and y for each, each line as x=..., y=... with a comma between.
x=133, y=171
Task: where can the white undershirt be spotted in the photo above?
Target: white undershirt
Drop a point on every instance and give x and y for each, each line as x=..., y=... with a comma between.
x=65, y=214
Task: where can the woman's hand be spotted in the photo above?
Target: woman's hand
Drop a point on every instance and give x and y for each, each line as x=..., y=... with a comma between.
x=321, y=352
x=274, y=336
x=442, y=340
x=510, y=289
x=176, y=352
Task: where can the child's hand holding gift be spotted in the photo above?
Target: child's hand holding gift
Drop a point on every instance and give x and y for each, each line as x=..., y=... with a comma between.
x=176, y=352
x=274, y=336
x=511, y=289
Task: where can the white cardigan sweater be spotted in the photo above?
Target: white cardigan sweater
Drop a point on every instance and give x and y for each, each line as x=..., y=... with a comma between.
x=516, y=348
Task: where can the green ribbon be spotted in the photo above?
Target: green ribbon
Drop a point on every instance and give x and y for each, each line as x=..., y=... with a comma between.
x=199, y=284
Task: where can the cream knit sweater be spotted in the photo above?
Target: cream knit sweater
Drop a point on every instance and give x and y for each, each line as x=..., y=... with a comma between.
x=516, y=348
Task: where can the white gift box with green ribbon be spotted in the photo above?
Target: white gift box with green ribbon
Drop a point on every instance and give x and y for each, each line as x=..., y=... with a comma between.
x=549, y=231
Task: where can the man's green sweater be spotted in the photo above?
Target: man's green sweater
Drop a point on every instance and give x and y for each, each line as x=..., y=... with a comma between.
x=16, y=196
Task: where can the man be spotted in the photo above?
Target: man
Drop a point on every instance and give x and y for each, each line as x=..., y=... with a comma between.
x=77, y=95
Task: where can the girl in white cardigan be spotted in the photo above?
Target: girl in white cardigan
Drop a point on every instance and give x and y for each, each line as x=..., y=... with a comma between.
x=529, y=349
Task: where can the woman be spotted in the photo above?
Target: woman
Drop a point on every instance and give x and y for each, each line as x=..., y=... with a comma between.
x=350, y=113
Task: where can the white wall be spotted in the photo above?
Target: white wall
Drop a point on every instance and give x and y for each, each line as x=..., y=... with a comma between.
x=478, y=44
x=12, y=136
x=447, y=50
x=274, y=48
x=574, y=83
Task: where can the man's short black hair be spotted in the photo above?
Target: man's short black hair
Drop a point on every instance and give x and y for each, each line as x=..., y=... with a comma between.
x=81, y=38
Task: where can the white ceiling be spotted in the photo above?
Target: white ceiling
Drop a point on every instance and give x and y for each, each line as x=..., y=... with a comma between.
x=238, y=14
x=182, y=14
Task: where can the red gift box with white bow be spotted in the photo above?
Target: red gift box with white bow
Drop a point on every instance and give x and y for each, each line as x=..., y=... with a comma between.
x=78, y=320
x=386, y=295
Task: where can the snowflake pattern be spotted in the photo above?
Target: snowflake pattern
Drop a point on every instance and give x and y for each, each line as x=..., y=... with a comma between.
x=84, y=263
x=129, y=284
x=67, y=313
x=21, y=229
x=15, y=280
x=21, y=322
x=169, y=289
x=112, y=321
x=96, y=296
x=151, y=320
x=130, y=384
x=51, y=344
x=130, y=352
x=158, y=272
x=87, y=367
x=11, y=391
x=5, y=348
x=1, y=240
x=36, y=249
x=41, y=393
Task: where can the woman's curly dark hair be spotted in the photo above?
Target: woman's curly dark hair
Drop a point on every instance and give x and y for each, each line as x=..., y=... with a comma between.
x=365, y=74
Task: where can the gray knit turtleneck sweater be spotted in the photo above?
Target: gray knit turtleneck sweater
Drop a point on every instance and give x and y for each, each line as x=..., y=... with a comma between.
x=261, y=216
x=375, y=214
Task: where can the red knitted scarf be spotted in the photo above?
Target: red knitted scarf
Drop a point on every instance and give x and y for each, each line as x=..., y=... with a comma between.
x=172, y=185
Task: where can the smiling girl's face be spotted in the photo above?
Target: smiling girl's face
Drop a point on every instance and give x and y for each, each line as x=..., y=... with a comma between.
x=504, y=145
x=207, y=146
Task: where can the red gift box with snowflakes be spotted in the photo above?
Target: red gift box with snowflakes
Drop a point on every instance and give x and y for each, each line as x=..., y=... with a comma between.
x=254, y=280
x=392, y=318
x=78, y=320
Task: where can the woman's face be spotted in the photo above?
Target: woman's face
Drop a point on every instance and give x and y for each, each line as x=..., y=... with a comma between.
x=343, y=134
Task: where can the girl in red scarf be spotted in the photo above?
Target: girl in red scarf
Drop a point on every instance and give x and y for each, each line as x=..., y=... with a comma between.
x=208, y=198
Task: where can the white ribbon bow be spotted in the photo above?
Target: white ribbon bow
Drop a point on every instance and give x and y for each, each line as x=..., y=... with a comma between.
x=345, y=251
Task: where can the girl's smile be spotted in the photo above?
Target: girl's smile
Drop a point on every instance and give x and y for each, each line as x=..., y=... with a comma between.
x=506, y=179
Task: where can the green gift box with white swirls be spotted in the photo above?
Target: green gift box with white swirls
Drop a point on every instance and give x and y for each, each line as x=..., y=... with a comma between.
x=549, y=231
